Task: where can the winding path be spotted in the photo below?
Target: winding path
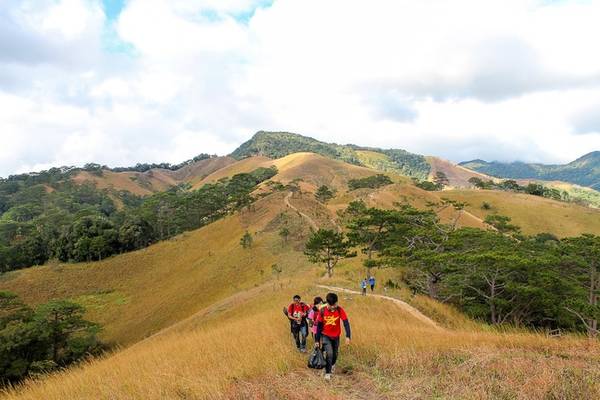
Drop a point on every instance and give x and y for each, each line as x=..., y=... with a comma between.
x=312, y=223
x=405, y=306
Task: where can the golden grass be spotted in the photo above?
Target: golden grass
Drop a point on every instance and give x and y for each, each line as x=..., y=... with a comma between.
x=245, y=351
x=137, y=183
x=457, y=176
x=243, y=166
x=533, y=214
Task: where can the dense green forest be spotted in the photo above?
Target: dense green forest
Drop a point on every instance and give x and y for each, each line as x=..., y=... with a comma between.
x=281, y=144
x=46, y=216
x=35, y=341
x=584, y=171
x=497, y=275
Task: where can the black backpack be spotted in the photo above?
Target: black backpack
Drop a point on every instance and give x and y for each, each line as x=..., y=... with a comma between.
x=316, y=359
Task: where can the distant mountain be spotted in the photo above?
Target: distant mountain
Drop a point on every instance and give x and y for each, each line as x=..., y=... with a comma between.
x=280, y=144
x=584, y=171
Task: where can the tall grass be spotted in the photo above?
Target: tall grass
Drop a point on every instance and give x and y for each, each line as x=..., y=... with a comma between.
x=246, y=348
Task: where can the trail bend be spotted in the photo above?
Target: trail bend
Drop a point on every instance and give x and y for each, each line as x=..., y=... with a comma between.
x=405, y=306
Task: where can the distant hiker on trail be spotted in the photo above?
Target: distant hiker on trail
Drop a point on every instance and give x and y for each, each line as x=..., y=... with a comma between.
x=312, y=315
x=297, y=313
x=363, y=286
x=329, y=329
x=372, y=282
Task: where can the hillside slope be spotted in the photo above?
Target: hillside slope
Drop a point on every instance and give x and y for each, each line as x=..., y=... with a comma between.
x=458, y=176
x=138, y=293
x=155, y=179
x=242, y=350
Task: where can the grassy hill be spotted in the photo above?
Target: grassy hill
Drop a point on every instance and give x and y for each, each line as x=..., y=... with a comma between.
x=280, y=144
x=584, y=171
x=139, y=293
x=153, y=180
x=458, y=176
x=243, y=351
x=199, y=317
x=533, y=213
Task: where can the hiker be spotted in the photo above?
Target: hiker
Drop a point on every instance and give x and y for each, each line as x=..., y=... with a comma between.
x=372, y=282
x=363, y=286
x=297, y=313
x=329, y=330
x=312, y=315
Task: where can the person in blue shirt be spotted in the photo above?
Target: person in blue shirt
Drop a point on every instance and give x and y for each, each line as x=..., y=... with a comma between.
x=363, y=286
x=372, y=282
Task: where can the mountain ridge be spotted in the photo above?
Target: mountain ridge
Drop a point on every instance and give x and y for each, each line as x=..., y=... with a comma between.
x=281, y=144
x=584, y=171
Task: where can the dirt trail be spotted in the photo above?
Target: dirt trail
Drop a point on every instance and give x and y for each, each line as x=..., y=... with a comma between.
x=312, y=223
x=405, y=306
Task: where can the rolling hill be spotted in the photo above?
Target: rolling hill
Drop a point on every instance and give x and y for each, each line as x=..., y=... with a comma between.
x=155, y=179
x=584, y=171
x=280, y=144
x=197, y=316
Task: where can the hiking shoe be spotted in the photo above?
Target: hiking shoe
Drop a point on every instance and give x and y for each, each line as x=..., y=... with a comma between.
x=303, y=350
x=327, y=377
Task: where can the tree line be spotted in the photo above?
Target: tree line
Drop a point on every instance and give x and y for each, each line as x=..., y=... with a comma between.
x=497, y=274
x=534, y=189
x=82, y=223
x=57, y=174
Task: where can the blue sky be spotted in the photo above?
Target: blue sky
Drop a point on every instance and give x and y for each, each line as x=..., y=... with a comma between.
x=119, y=82
x=112, y=8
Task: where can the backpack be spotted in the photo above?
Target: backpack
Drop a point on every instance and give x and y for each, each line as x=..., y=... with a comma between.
x=316, y=359
x=322, y=311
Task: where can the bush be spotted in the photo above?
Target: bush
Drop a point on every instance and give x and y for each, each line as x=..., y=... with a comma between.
x=372, y=182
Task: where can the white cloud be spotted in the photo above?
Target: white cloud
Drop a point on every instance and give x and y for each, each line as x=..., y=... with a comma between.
x=513, y=79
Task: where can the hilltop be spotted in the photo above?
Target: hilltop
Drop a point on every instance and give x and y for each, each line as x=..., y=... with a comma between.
x=584, y=171
x=280, y=144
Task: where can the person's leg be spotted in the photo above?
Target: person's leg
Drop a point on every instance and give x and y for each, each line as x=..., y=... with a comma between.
x=303, y=334
x=296, y=333
x=335, y=345
x=328, y=349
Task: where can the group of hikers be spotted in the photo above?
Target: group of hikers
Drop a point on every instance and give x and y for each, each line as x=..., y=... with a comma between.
x=370, y=281
x=323, y=320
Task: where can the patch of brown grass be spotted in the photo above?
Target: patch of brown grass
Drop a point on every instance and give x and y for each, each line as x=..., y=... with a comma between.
x=243, y=350
x=533, y=214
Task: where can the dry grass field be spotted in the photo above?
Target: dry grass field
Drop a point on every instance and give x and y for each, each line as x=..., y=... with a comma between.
x=244, y=351
x=533, y=214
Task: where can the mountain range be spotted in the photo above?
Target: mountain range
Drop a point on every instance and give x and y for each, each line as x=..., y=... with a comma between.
x=584, y=171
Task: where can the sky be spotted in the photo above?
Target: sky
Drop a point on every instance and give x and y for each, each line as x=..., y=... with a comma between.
x=119, y=82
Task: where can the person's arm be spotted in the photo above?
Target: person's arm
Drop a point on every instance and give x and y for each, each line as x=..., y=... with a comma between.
x=291, y=312
x=344, y=319
x=347, y=329
x=319, y=322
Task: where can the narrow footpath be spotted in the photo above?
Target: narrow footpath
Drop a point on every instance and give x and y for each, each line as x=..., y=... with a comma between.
x=405, y=306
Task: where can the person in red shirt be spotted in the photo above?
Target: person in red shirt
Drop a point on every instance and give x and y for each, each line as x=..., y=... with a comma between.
x=297, y=312
x=329, y=329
